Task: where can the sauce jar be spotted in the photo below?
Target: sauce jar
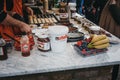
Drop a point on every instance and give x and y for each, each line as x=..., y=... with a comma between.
x=9, y=45
x=73, y=12
x=17, y=44
x=43, y=43
x=63, y=12
x=3, y=49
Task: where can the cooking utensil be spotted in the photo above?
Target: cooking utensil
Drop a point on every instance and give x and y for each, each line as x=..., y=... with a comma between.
x=76, y=36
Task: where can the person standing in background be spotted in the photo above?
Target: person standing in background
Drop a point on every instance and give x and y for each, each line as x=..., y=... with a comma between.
x=110, y=17
x=79, y=5
x=92, y=9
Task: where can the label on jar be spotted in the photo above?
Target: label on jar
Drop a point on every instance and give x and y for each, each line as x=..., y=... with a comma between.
x=25, y=47
x=63, y=15
x=73, y=15
x=43, y=45
x=61, y=37
x=1, y=51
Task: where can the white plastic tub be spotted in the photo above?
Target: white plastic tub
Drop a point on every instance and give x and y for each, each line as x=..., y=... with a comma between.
x=58, y=37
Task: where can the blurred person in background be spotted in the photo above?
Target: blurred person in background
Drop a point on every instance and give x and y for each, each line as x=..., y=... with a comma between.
x=11, y=20
x=110, y=17
x=110, y=21
x=79, y=6
x=92, y=9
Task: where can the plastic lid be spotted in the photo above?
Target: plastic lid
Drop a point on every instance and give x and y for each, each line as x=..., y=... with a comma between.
x=72, y=4
x=42, y=36
x=72, y=8
x=58, y=29
x=94, y=28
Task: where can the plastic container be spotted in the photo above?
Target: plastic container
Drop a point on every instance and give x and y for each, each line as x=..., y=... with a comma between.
x=72, y=5
x=72, y=9
x=58, y=37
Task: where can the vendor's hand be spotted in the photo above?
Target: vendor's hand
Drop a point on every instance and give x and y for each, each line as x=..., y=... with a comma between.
x=25, y=28
x=11, y=13
x=29, y=10
x=113, y=2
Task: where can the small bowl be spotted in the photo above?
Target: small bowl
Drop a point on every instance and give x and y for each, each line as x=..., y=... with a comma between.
x=94, y=29
x=72, y=29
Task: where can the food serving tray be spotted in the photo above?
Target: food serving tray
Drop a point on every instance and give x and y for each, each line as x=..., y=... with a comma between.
x=89, y=52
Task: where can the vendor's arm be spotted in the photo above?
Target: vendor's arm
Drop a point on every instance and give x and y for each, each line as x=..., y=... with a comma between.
x=6, y=19
x=115, y=11
x=28, y=9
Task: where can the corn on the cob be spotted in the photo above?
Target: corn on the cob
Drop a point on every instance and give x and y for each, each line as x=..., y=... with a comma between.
x=103, y=41
x=97, y=38
x=102, y=46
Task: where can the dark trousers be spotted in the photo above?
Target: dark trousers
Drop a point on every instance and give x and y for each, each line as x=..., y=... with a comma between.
x=115, y=72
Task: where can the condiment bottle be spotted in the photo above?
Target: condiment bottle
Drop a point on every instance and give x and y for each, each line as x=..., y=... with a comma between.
x=25, y=45
x=31, y=41
x=3, y=50
x=43, y=42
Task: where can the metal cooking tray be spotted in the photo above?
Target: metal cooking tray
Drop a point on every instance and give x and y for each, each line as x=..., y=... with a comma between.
x=74, y=37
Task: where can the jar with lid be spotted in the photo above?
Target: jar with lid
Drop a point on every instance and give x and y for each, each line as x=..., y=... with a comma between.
x=43, y=42
x=45, y=5
x=73, y=12
x=9, y=45
x=63, y=12
x=3, y=50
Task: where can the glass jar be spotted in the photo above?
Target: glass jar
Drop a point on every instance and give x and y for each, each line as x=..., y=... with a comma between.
x=63, y=12
x=73, y=12
x=43, y=43
x=3, y=50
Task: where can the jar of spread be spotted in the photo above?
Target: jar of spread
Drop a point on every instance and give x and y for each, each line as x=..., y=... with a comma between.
x=3, y=49
x=73, y=12
x=63, y=12
x=43, y=43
